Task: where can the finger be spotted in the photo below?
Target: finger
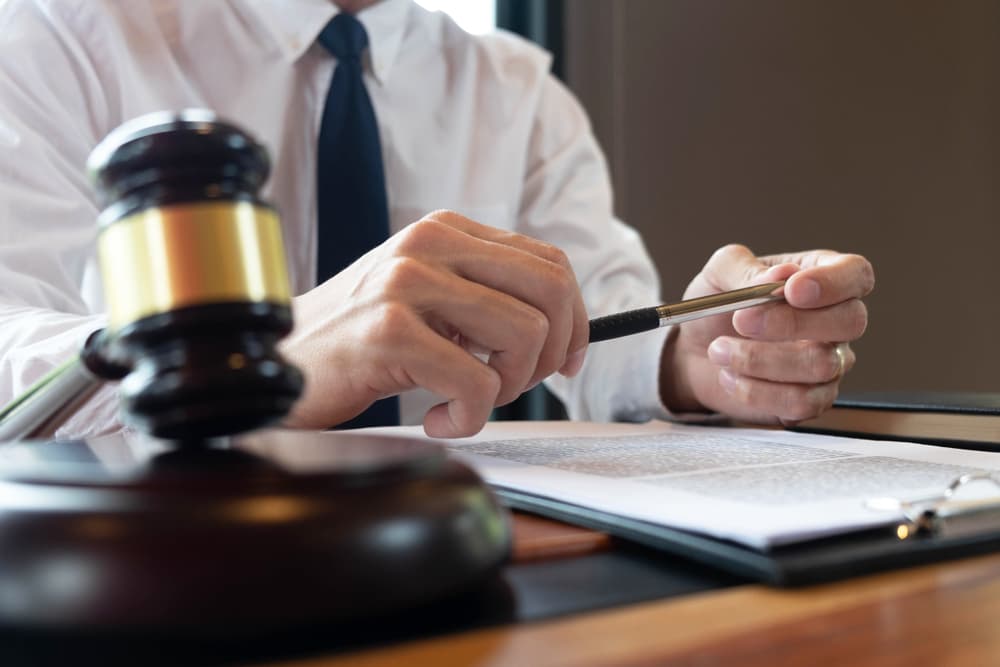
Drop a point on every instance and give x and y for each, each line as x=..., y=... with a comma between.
x=548, y=286
x=580, y=331
x=476, y=317
x=763, y=400
x=801, y=361
x=510, y=331
x=735, y=266
x=468, y=385
x=845, y=321
x=827, y=278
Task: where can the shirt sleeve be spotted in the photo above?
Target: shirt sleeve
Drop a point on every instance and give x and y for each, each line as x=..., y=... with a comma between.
x=567, y=202
x=51, y=111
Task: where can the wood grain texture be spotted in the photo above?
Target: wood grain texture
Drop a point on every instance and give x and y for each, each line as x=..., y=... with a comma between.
x=944, y=614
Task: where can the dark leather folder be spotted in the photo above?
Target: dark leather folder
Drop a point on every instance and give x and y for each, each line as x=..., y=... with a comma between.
x=948, y=534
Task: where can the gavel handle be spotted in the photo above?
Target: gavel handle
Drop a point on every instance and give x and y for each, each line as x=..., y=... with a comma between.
x=48, y=403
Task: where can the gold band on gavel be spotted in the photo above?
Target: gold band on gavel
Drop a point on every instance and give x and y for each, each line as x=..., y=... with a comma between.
x=181, y=255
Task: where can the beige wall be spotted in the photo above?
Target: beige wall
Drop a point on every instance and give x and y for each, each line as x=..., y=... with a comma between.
x=862, y=125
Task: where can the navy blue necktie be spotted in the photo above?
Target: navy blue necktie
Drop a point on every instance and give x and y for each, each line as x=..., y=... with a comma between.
x=352, y=209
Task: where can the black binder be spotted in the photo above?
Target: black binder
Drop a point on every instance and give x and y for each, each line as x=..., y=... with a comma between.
x=934, y=529
x=970, y=420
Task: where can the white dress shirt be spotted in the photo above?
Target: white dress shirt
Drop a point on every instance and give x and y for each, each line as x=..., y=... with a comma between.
x=475, y=124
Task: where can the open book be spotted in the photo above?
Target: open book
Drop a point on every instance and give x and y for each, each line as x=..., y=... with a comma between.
x=769, y=503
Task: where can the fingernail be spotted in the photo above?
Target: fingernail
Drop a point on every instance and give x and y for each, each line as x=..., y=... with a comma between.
x=574, y=362
x=728, y=381
x=720, y=352
x=809, y=291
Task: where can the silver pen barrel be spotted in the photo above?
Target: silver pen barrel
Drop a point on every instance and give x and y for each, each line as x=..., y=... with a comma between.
x=716, y=304
x=47, y=404
x=646, y=319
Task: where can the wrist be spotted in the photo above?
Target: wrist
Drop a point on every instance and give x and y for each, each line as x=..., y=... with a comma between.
x=676, y=388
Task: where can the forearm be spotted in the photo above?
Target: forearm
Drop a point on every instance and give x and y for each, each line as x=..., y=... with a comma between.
x=33, y=341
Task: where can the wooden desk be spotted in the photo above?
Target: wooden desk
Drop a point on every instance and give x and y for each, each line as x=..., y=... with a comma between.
x=946, y=614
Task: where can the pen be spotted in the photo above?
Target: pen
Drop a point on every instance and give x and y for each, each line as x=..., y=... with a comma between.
x=647, y=319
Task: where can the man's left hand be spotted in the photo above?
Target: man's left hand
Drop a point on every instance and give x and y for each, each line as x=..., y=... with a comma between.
x=777, y=363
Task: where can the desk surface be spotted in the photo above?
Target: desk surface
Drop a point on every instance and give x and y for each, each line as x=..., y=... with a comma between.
x=941, y=614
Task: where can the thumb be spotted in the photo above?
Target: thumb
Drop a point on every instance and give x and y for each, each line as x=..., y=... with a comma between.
x=735, y=266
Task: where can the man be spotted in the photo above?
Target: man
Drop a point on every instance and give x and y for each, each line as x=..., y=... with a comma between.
x=458, y=313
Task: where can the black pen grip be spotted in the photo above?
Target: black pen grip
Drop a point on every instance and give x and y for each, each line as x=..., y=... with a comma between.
x=623, y=324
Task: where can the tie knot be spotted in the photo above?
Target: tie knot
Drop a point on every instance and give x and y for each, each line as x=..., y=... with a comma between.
x=344, y=37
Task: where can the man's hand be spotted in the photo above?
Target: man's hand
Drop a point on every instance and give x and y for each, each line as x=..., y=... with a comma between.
x=417, y=310
x=776, y=363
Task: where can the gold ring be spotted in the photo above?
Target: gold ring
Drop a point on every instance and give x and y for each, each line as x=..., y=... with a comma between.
x=840, y=350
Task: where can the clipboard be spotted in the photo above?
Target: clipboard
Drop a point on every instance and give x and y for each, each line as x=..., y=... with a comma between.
x=941, y=527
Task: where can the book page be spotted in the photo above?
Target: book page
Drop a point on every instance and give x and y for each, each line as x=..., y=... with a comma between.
x=759, y=487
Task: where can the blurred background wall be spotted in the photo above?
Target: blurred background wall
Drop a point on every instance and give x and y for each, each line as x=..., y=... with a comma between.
x=862, y=125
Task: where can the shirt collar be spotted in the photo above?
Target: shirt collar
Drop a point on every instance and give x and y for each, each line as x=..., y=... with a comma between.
x=295, y=24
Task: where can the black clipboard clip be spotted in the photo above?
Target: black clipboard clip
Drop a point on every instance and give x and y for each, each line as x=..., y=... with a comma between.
x=963, y=508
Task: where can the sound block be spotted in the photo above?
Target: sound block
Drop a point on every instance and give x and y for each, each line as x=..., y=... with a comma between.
x=262, y=532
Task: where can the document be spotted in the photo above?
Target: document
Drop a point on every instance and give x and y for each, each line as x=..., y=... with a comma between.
x=761, y=488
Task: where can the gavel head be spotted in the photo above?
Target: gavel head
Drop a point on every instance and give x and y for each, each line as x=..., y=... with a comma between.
x=194, y=274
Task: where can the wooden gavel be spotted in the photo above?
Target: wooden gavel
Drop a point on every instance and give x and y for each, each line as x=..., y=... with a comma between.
x=195, y=284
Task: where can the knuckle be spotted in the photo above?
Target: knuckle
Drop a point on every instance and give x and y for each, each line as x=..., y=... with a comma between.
x=403, y=272
x=867, y=272
x=728, y=264
x=743, y=392
x=831, y=366
x=396, y=316
x=728, y=252
x=850, y=358
x=536, y=325
x=555, y=255
x=806, y=402
x=562, y=283
x=452, y=221
x=444, y=215
x=392, y=321
x=419, y=235
x=797, y=407
x=781, y=323
x=859, y=319
x=823, y=360
x=748, y=358
x=486, y=382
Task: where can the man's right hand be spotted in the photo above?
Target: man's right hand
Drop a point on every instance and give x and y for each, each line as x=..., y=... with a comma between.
x=422, y=309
